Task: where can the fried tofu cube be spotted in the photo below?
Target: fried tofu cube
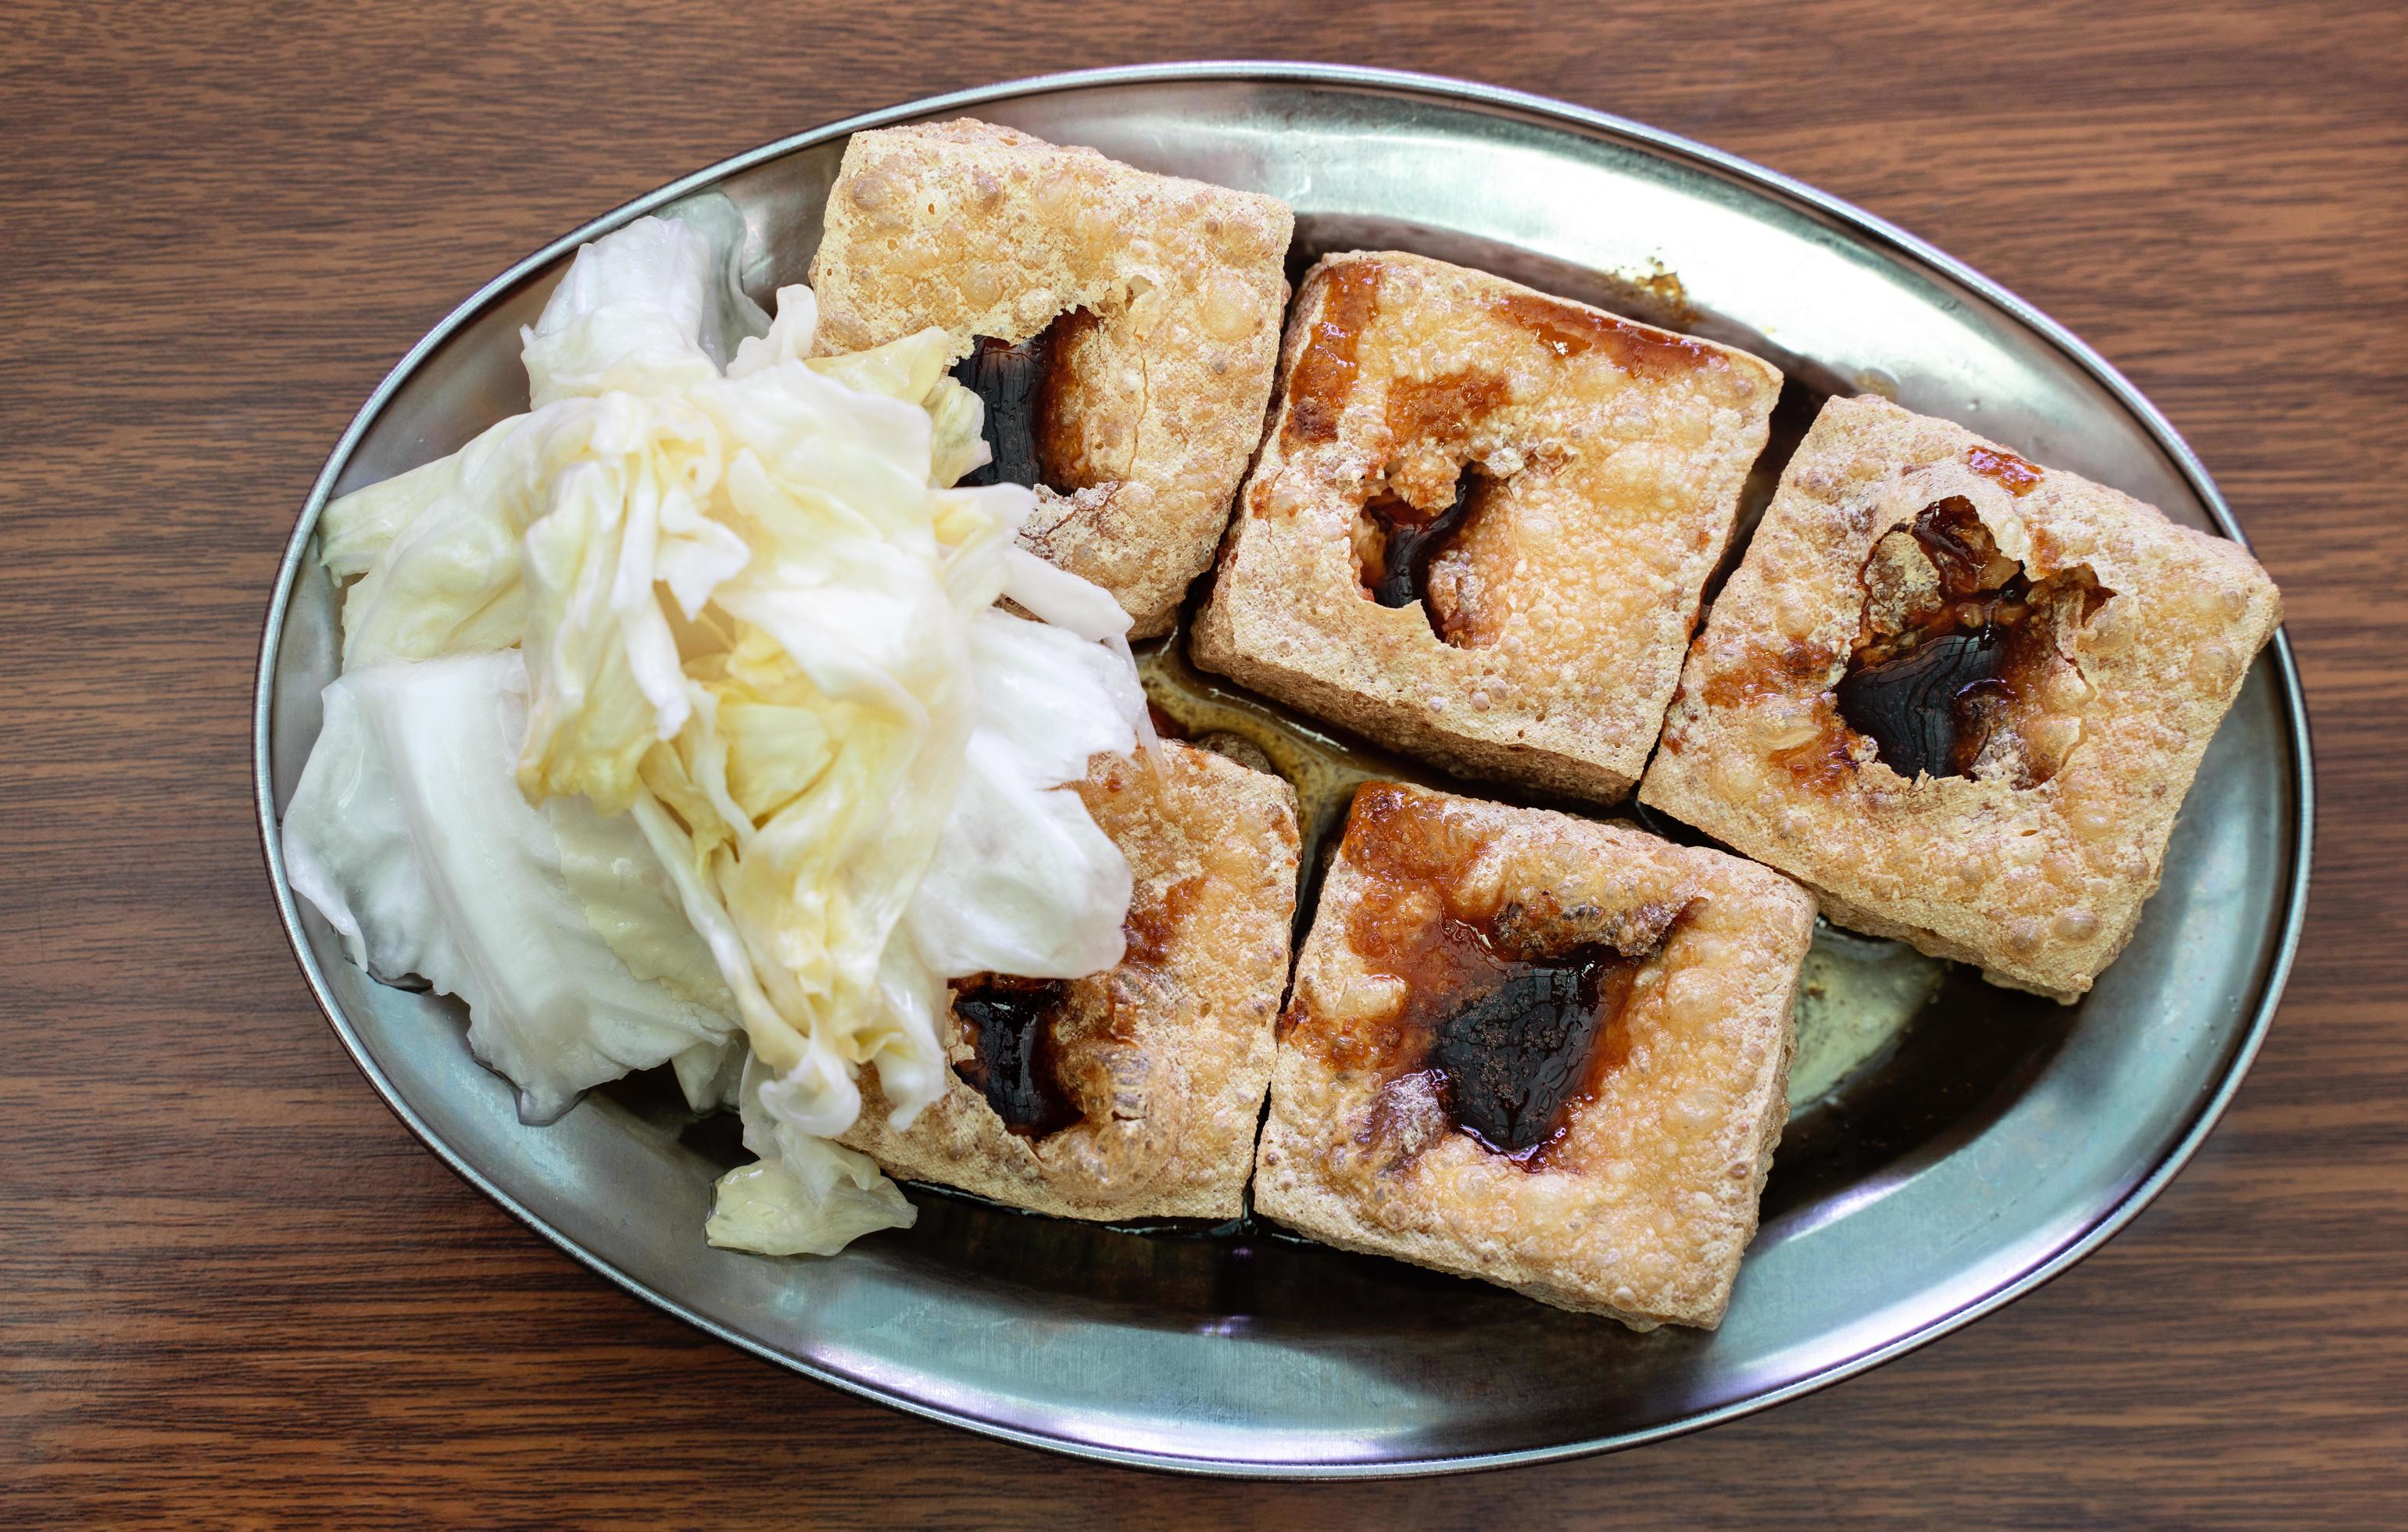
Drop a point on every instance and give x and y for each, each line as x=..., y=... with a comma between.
x=1960, y=695
x=1123, y=326
x=1537, y=1050
x=1132, y=1094
x=1482, y=520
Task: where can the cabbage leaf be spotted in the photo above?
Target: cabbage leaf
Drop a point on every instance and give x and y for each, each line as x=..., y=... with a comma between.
x=409, y=834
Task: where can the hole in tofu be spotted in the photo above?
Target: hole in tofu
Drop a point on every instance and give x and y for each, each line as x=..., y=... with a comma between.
x=1433, y=490
x=1514, y=1059
x=1030, y=390
x=1963, y=664
x=1397, y=544
x=1508, y=1015
x=1009, y=1026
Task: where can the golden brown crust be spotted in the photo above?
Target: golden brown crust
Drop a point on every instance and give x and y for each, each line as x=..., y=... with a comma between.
x=1611, y=457
x=985, y=231
x=2042, y=885
x=1643, y=1208
x=1172, y=1051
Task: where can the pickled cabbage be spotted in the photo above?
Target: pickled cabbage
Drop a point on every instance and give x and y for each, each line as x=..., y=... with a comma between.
x=761, y=638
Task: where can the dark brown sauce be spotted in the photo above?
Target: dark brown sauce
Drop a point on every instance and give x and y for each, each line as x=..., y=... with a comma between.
x=1022, y=387
x=1012, y=380
x=1826, y=761
x=1400, y=542
x=1926, y=694
x=1929, y=710
x=1009, y=1023
x=1568, y=331
x=1797, y=668
x=1323, y=377
x=1951, y=535
x=2003, y=468
x=1787, y=669
x=1064, y=460
x=1514, y=1013
x=1397, y=539
x=1441, y=410
x=1514, y=1059
x=1932, y=692
x=1154, y=926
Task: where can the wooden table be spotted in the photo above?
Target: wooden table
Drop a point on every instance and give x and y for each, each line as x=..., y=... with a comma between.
x=234, y=1289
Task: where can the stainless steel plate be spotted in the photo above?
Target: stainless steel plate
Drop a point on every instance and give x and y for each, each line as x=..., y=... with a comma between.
x=1972, y=1154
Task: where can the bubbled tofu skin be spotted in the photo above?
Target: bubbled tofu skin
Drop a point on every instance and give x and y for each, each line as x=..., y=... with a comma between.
x=2033, y=862
x=1603, y=462
x=1643, y=1206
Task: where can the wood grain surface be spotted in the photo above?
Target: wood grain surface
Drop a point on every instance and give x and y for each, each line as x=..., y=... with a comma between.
x=232, y=1288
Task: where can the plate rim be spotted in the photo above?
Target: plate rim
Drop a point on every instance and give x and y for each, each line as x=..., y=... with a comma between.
x=1494, y=99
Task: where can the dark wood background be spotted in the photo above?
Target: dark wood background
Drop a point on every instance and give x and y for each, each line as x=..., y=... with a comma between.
x=233, y=1289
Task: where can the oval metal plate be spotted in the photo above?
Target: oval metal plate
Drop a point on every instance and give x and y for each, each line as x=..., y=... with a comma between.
x=1262, y=1355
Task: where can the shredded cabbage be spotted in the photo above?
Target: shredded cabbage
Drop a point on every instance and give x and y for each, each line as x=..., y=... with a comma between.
x=759, y=626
